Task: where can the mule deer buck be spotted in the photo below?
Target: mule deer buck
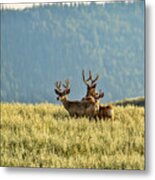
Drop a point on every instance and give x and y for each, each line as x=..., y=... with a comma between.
x=75, y=108
x=92, y=94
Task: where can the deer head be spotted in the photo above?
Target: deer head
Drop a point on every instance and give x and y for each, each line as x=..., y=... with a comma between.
x=62, y=94
x=91, y=86
x=99, y=95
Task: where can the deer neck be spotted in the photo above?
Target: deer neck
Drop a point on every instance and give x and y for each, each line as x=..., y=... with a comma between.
x=65, y=102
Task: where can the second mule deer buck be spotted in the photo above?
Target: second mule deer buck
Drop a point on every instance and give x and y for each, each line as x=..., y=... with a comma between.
x=92, y=94
x=75, y=108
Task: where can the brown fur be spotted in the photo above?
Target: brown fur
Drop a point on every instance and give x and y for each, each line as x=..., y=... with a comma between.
x=92, y=95
x=79, y=108
x=76, y=108
x=106, y=112
x=89, y=105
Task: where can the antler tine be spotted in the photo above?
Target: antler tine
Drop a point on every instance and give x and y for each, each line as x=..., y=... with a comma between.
x=90, y=76
x=83, y=77
x=58, y=85
x=67, y=84
x=97, y=77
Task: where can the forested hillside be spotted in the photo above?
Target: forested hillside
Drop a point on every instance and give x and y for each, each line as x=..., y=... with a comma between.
x=43, y=44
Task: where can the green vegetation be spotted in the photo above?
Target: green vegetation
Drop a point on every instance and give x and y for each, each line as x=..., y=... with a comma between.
x=55, y=42
x=43, y=135
x=139, y=101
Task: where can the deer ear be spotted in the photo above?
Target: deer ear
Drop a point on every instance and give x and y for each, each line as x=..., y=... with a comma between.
x=56, y=91
x=102, y=94
x=67, y=91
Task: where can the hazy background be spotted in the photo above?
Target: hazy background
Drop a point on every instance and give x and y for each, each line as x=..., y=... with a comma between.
x=46, y=43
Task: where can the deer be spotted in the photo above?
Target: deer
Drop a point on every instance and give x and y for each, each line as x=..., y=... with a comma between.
x=105, y=112
x=93, y=95
x=75, y=108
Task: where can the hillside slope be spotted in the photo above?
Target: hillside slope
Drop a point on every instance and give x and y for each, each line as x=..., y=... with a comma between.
x=55, y=42
x=139, y=101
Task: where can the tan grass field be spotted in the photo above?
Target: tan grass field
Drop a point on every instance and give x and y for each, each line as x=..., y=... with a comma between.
x=43, y=135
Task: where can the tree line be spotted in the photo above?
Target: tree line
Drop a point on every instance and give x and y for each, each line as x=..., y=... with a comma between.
x=43, y=44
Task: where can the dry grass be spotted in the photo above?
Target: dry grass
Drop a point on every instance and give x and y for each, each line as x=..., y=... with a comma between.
x=43, y=135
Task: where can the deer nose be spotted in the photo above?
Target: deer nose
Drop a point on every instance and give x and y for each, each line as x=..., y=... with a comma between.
x=57, y=98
